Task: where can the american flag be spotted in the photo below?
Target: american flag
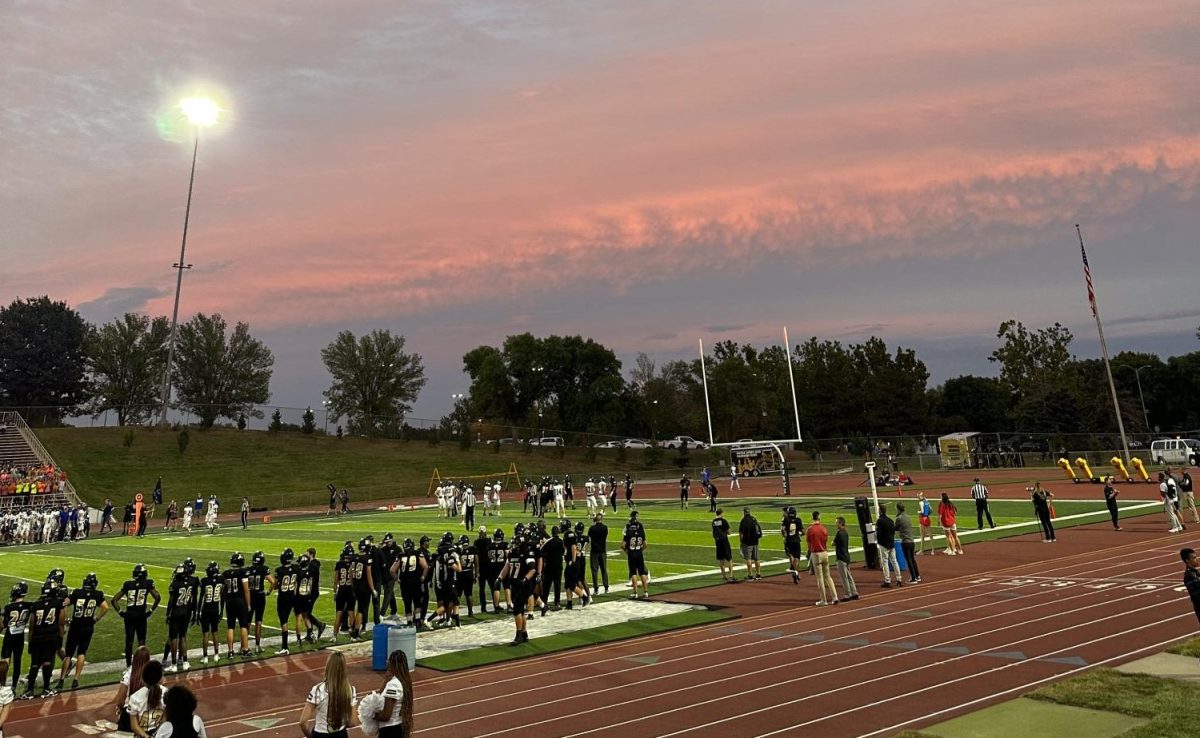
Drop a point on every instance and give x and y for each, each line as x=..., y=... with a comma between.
x=1087, y=274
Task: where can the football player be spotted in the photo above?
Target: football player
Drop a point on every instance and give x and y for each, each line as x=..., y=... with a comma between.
x=310, y=609
x=88, y=607
x=343, y=598
x=302, y=603
x=137, y=592
x=574, y=579
x=469, y=572
x=235, y=584
x=16, y=620
x=792, y=531
x=183, y=596
x=633, y=543
x=364, y=584
x=519, y=570
x=257, y=575
x=445, y=580
x=497, y=555
x=409, y=569
x=286, y=583
x=212, y=590
x=45, y=637
x=426, y=578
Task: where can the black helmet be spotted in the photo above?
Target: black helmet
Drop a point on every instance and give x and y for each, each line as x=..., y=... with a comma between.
x=49, y=588
x=448, y=538
x=287, y=556
x=464, y=540
x=237, y=559
x=389, y=538
x=180, y=571
x=140, y=572
x=347, y=550
x=364, y=544
x=424, y=540
x=408, y=544
x=213, y=569
x=303, y=561
x=20, y=589
x=91, y=581
x=498, y=535
x=56, y=575
x=258, y=558
x=579, y=527
x=518, y=528
x=190, y=564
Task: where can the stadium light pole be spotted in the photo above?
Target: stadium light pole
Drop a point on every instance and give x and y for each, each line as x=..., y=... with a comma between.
x=200, y=112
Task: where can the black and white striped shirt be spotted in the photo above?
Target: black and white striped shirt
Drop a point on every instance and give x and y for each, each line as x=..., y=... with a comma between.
x=978, y=491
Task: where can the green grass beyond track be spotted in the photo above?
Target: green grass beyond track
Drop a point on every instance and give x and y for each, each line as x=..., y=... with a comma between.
x=680, y=543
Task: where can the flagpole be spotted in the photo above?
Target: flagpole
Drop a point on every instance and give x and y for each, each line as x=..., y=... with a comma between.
x=1112, y=387
x=704, y=377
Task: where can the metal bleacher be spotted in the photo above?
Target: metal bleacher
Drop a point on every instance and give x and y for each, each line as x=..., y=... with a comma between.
x=19, y=446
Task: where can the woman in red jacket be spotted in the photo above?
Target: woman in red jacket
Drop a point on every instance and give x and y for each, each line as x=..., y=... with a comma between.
x=948, y=516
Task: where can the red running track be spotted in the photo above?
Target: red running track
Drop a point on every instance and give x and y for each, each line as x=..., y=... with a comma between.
x=1008, y=616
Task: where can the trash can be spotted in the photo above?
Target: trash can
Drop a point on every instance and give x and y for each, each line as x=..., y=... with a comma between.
x=900, y=560
x=862, y=508
x=379, y=646
x=404, y=638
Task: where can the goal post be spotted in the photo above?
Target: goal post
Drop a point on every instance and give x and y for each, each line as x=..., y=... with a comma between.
x=510, y=479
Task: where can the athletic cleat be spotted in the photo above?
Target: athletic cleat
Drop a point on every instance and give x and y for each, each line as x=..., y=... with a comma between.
x=170, y=669
x=185, y=666
x=204, y=661
x=58, y=685
x=74, y=684
x=282, y=652
x=49, y=693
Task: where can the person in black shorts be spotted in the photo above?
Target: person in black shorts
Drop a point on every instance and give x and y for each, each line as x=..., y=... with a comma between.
x=236, y=596
x=629, y=491
x=597, y=536
x=573, y=578
x=343, y=593
x=469, y=561
x=310, y=609
x=183, y=595
x=45, y=637
x=792, y=531
x=553, y=551
x=685, y=486
x=387, y=556
x=445, y=580
x=720, y=534
x=285, y=582
x=137, y=593
x=16, y=622
x=712, y=496
x=88, y=607
x=483, y=547
x=364, y=584
x=212, y=591
x=497, y=555
x=569, y=491
x=633, y=543
x=520, y=570
x=409, y=570
x=426, y=580
x=257, y=576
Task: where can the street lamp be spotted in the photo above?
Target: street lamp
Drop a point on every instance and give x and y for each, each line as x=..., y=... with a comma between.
x=326, y=404
x=200, y=112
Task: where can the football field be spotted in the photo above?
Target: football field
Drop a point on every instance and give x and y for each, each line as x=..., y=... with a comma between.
x=679, y=552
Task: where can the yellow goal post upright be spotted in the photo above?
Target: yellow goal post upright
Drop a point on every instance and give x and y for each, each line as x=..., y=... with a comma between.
x=511, y=479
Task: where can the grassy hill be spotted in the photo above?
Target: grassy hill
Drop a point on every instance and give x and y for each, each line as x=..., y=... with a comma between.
x=276, y=469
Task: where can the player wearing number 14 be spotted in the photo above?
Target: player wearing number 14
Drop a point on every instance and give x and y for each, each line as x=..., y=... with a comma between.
x=88, y=607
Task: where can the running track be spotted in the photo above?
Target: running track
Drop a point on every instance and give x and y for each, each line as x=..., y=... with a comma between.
x=1007, y=617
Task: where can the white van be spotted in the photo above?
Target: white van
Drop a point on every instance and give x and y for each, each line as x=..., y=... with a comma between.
x=1177, y=451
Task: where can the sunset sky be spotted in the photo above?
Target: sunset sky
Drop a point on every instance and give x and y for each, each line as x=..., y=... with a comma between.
x=643, y=173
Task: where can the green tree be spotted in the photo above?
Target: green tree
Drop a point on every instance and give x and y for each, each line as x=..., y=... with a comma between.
x=1039, y=369
x=42, y=358
x=374, y=379
x=982, y=403
x=308, y=424
x=126, y=359
x=276, y=424
x=219, y=373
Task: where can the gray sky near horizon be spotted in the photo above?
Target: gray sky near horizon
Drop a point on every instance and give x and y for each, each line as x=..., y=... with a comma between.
x=643, y=174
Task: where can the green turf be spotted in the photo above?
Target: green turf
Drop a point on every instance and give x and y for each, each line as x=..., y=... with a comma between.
x=563, y=641
x=1167, y=705
x=1187, y=648
x=1035, y=719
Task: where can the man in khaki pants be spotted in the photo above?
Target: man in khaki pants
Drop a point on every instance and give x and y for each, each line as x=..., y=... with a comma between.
x=818, y=550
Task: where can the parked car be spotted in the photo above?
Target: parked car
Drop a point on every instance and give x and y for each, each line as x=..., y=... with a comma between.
x=1175, y=451
x=506, y=441
x=607, y=444
x=678, y=441
x=547, y=441
x=1034, y=446
x=636, y=443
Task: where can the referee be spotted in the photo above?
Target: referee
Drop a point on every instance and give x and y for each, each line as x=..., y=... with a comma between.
x=980, y=493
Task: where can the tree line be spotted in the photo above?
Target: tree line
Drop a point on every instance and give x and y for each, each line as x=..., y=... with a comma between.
x=51, y=358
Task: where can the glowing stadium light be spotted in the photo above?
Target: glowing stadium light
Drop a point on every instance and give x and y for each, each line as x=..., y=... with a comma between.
x=200, y=111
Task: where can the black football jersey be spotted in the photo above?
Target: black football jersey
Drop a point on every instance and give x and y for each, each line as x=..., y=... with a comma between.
x=444, y=573
x=635, y=536
x=256, y=576
x=343, y=573
x=306, y=582
x=231, y=584
x=181, y=596
x=498, y=554
x=16, y=618
x=44, y=616
x=211, y=589
x=85, y=603
x=467, y=558
x=792, y=530
x=410, y=566
x=362, y=564
x=137, y=595
x=570, y=540
x=287, y=579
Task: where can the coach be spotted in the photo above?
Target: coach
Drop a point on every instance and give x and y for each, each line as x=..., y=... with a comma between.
x=598, y=542
x=750, y=533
